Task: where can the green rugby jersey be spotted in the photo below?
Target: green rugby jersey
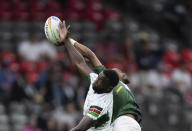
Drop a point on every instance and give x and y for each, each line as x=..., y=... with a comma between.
x=123, y=100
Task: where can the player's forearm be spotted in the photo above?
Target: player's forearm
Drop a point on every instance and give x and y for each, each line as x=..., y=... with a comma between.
x=87, y=53
x=84, y=124
x=74, y=55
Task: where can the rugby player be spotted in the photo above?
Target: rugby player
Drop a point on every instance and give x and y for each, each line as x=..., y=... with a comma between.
x=99, y=100
x=126, y=112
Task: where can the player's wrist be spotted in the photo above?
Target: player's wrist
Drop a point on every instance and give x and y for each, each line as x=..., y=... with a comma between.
x=72, y=41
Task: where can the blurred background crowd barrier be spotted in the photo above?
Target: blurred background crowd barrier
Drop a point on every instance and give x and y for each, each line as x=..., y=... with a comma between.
x=150, y=40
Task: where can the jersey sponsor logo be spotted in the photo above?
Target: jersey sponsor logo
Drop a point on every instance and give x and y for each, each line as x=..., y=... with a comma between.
x=95, y=111
x=118, y=90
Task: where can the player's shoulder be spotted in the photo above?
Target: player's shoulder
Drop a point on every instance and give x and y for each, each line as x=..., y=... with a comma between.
x=102, y=99
x=120, y=86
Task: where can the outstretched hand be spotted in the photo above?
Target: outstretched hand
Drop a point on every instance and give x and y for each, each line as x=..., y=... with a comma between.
x=63, y=31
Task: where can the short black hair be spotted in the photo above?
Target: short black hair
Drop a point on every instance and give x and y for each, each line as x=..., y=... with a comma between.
x=112, y=76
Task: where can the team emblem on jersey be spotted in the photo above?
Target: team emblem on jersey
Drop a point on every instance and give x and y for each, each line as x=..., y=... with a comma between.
x=95, y=111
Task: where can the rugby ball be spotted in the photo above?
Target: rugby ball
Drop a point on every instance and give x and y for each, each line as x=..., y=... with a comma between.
x=51, y=29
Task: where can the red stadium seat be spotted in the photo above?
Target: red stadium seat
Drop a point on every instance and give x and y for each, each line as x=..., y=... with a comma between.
x=76, y=5
x=52, y=5
x=167, y=69
x=95, y=5
x=112, y=15
x=187, y=55
x=6, y=15
x=36, y=5
x=19, y=5
x=129, y=64
x=26, y=66
x=5, y=5
x=8, y=56
x=32, y=77
x=95, y=16
x=37, y=15
x=14, y=66
x=72, y=15
x=42, y=65
x=21, y=15
x=172, y=58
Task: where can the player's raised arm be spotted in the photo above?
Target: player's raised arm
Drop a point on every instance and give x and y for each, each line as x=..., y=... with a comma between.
x=87, y=53
x=75, y=57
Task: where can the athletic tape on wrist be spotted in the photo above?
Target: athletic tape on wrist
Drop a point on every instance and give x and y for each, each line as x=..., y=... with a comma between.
x=72, y=41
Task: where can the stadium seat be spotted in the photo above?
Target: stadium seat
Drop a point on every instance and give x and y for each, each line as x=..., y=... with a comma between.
x=37, y=15
x=42, y=65
x=14, y=66
x=76, y=5
x=52, y=6
x=75, y=26
x=19, y=37
x=172, y=58
x=113, y=26
x=6, y=15
x=2, y=109
x=6, y=26
x=71, y=15
x=19, y=5
x=8, y=56
x=187, y=55
x=112, y=15
x=6, y=45
x=34, y=108
x=131, y=25
x=27, y=66
x=5, y=5
x=167, y=69
x=4, y=127
x=90, y=37
x=95, y=16
x=21, y=26
x=36, y=5
x=4, y=119
x=89, y=26
x=5, y=36
x=95, y=5
x=21, y=15
x=36, y=26
x=17, y=108
x=32, y=77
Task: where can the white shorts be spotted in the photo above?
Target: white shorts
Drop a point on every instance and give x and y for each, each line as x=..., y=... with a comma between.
x=126, y=123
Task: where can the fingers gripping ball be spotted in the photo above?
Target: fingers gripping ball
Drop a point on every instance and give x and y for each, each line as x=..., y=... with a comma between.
x=52, y=29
